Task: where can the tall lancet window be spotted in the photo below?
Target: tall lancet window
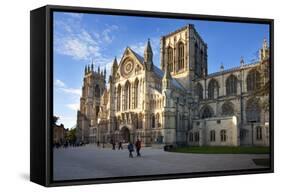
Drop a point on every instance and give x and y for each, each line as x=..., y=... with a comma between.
x=97, y=91
x=253, y=80
x=213, y=89
x=180, y=56
x=119, y=98
x=231, y=85
x=170, y=59
x=199, y=91
x=127, y=95
x=136, y=93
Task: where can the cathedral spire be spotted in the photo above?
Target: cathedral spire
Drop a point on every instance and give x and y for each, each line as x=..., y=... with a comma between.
x=265, y=45
x=222, y=67
x=242, y=61
x=92, y=65
x=88, y=70
x=114, y=66
x=148, y=56
x=85, y=70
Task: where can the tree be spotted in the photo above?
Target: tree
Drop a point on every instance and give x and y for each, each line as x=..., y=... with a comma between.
x=71, y=135
x=55, y=119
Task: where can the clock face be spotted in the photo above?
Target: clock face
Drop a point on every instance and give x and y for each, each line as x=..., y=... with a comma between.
x=127, y=68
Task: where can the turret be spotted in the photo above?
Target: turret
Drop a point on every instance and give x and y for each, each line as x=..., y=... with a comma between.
x=242, y=62
x=114, y=66
x=221, y=67
x=166, y=81
x=264, y=51
x=148, y=56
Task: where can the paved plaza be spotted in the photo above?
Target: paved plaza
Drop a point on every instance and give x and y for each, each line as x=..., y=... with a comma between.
x=92, y=162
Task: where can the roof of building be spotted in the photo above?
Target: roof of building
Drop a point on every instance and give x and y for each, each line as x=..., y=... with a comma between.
x=245, y=66
x=157, y=71
x=140, y=58
x=160, y=73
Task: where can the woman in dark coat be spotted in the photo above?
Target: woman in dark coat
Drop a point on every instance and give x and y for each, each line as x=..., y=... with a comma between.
x=131, y=149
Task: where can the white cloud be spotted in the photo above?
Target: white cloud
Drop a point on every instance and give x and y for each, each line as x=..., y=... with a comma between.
x=107, y=33
x=59, y=83
x=73, y=106
x=79, y=46
x=72, y=91
x=73, y=40
x=68, y=122
x=61, y=86
x=75, y=15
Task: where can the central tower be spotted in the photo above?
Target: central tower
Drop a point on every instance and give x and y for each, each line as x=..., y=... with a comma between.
x=185, y=54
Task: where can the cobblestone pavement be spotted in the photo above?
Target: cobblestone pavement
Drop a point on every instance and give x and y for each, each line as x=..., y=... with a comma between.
x=92, y=162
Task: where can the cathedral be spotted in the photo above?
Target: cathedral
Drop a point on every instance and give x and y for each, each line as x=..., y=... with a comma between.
x=178, y=103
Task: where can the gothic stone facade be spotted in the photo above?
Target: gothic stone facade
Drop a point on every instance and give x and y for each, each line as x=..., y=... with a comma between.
x=179, y=104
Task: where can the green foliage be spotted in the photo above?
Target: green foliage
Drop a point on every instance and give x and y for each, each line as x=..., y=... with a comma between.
x=71, y=136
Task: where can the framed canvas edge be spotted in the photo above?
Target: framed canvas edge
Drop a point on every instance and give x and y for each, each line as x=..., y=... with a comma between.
x=49, y=182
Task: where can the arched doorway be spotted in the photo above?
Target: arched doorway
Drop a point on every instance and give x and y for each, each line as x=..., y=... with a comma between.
x=125, y=134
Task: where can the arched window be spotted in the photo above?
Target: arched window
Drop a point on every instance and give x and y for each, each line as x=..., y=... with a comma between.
x=97, y=91
x=196, y=60
x=180, y=56
x=196, y=136
x=259, y=133
x=212, y=135
x=127, y=96
x=213, y=89
x=206, y=112
x=231, y=85
x=227, y=109
x=201, y=62
x=199, y=91
x=119, y=98
x=158, y=120
x=253, y=80
x=136, y=93
x=223, y=135
x=153, y=121
x=170, y=59
x=191, y=137
x=253, y=111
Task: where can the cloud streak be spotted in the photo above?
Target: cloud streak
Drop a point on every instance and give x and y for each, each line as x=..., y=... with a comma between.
x=73, y=40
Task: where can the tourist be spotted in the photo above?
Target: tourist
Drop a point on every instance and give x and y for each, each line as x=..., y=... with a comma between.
x=138, y=147
x=113, y=145
x=120, y=145
x=131, y=149
x=98, y=143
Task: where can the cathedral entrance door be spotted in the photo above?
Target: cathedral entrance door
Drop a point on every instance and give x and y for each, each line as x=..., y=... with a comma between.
x=125, y=133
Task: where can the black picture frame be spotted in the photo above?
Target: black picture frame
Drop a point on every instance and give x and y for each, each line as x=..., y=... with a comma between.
x=41, y=99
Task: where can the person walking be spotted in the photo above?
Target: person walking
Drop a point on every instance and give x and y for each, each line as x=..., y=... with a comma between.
x=113, y=145
x=131, y=149
x=120, y=145
x=138, y=147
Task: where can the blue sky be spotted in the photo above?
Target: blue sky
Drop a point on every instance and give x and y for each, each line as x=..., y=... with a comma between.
x=80, y=39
